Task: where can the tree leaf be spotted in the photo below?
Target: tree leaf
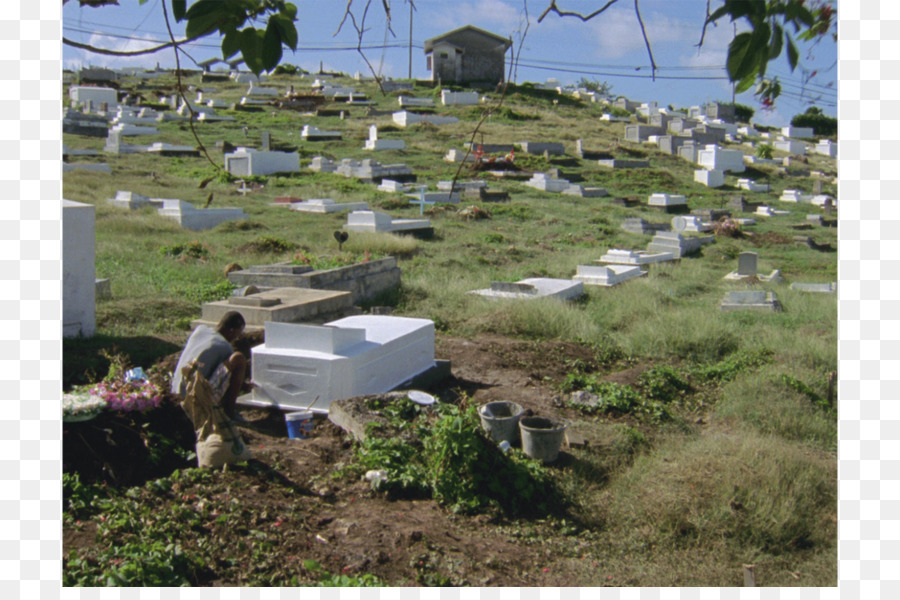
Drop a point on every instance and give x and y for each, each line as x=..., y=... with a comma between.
x=792, y=53
x=745, y=83
x=738, y=50
x=251, y=49
x=201, y=25
x=271, y=47
x=204, y=7
x=777, y=42
x=286, y=30
x=290, y=11
x=178, y=9
x=231, y=44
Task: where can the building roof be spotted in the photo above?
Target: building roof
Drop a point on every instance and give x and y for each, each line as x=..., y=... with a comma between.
x=470, y=38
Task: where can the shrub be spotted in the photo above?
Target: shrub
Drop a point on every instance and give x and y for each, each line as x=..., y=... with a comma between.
x=821, y=124
x=764, y=151
x=192, y=250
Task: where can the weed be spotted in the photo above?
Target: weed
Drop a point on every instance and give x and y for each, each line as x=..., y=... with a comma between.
x=195, y=250
x=729, y=368
x=268, y=244
x=663, y=383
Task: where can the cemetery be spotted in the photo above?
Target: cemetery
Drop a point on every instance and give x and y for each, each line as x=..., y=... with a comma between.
x=647, y=304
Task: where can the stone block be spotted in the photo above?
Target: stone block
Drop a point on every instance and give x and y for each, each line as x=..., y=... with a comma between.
x=710, y=177
x=537, y=287
x=79, y=284
x=607, y=275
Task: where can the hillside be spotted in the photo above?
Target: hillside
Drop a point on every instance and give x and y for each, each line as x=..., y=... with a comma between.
x=712, y=445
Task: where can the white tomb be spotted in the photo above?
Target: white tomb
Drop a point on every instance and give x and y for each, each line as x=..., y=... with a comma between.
x=260, y=92
x=609, y=117
x=449, y=98
x=410, y=101
x=389, y=185
x=534, y=287
x=608, y=275
x=326, y=206
x=310, y=366
x=710, y=177
x=79, y=94
x=794, y=196
x=190, y=217
x=373, y=143
x=688, y=224
x=767, y=211
x=821, y=200
x=790, y=146
x=371, y=220
x=249, y=161
x=79, y=276
x=453, y=155
x=666, y=200
x=311, y=132
x=211, y=117
x=93, y=167
x=752, y=186
x=797, y=132
x=827, y=148
x=129, y=200
x=129, y=129
x=543, y=182
x=405, y=118
x=634, y=257
x=714, y=157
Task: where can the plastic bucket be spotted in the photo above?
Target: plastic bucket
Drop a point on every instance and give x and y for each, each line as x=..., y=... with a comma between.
x=542, y=437
x=299, y=424
x=501, y=420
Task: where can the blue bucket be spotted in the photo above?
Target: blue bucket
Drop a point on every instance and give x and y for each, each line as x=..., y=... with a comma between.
x=299, y=424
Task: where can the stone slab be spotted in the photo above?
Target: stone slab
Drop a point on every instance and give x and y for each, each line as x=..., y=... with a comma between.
x=608, y=275
x=280, y=305
x=563, y=289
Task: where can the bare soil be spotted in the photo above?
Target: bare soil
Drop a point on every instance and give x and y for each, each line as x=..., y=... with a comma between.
x=351, y=529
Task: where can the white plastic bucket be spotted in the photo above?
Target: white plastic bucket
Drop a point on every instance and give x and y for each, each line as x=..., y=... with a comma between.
x=299, y=424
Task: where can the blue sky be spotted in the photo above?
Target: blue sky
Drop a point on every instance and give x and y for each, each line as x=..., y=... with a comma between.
x=609, y=48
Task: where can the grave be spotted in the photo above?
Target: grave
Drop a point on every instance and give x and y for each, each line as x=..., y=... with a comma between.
x=411, y=101
x=130, y=200
x=750, y=300
x=640, y=133
x=553, y=148
x=711, y=215
x=797, y=132
x=373, y=143
x=585, y=192
x=245, y=162
x=78, y=277
x=714, y=157
x=454, y=155
x=826, y=148
x=747, y=268
x=66, y=152
x=371, y=171
x=97, y=95
x=668, y=202
x=543, y=182
x=280, y=305
x=690, y=223
x=612, y=119
x=114, y=144
x=642, y=227
x=767, y=211
x=369, y=220
x=311, y=133
x=365, y=281
x=196, y=219
x=310, y=366
x=449, y=98
x=677, y=244
x=607, y=276
x=634, y=257
x=405, y=118
x=128, y=129
x=321, y=164
x=537, y=287
x=389, y=185
x=821, y=288
x=738, y=204
x=752, y=186
x=620, y=163
x=815, y=220
x=326, y=206
x=77, y=123
x=790, y=146
x=102, y=289
x=462, y=186
x=164, y=149
x=713, y=178
x=260, y=92
x=794, y=196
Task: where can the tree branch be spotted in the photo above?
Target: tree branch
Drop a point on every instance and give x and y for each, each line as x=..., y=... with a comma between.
x=637, y=11
x=566, y=13
x=98, y=50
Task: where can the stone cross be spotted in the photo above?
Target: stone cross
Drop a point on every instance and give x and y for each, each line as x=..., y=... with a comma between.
x=747, y=263
x=373, y=132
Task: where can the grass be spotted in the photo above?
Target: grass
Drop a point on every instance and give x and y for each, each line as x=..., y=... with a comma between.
x=658, y=503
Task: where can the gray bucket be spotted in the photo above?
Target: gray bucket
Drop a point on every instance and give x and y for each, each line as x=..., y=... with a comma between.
x=542, y=437
x=501, y=420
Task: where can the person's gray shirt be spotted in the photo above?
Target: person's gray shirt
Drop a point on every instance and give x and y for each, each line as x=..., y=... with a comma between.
x=208, y=347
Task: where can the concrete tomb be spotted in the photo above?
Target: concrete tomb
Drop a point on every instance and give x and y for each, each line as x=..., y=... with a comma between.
x=790, y=146
x=607, y=275
x=311, y=133
x=642, y=227
x=752, y=186
x=553, y=148
x=405, y=118
x=373, y=143
x=364, y=281
x=536, y=287
x=750, y=300
x=280, y=305
x=826, y=148
x=326, y=206
x=767, y=211
x=821, y=288
x=369, y=220
x=248, y=161
x=797, y=132
x=690, y=223
x=710, y=177
x=97, y=95
x=371, y=171
x=449, y=98
x=79, y=277
x=93, y=167
x=310, y=366
x=190, y=217
x=543, y=182
x=676, y=244
x=667, y=200
x=411, y=101
x=389, y=185
x=620, y=163
x=714, y=157
x=131, y=200
x=634, y=257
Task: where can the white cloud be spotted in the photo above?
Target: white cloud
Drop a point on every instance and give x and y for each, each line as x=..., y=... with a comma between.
x=502, y=18
x=86, y=58
x=617, y=33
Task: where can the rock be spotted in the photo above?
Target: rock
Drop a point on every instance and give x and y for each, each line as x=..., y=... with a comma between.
x=231, y=267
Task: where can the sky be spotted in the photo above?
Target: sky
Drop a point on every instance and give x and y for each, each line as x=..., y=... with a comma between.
x=609, y=48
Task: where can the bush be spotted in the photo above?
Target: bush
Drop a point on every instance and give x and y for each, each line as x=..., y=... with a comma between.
x=821, y=124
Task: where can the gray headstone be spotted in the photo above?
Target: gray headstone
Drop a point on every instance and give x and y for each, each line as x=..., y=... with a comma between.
x=817, y=187
x=579, y=149
x=747, y=297
x=266, y=144
x=747, y=263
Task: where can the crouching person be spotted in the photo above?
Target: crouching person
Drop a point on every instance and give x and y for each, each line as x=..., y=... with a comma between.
x=215, y=358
